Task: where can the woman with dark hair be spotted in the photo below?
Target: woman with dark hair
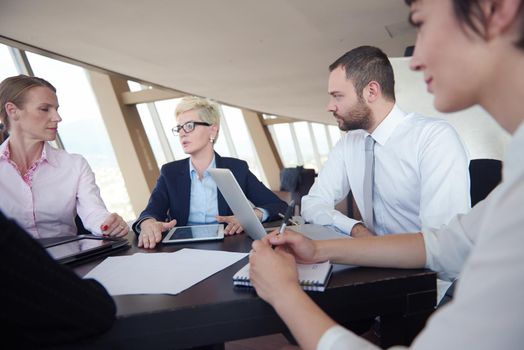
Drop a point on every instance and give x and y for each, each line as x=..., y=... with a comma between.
x=44, y=188
x=471, y=52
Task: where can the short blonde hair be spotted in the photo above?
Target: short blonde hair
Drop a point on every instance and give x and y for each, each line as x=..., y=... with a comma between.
x=208, y=111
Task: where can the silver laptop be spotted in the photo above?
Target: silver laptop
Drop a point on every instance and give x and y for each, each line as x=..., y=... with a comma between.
x=243, y=210
x=237, y=201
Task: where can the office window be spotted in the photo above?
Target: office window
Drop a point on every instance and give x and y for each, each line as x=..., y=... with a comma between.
x=7, y=65
x=166, y=112
x=147, y=119
x=303, y=143
x=284, y=141
x=134, y=86
x=82, y=129
x=306, y=145
x=321, y=134
x=151, y=132
x=241, y=139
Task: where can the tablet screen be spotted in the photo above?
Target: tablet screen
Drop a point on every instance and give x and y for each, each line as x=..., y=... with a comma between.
x=74, y=248
x=195, y=233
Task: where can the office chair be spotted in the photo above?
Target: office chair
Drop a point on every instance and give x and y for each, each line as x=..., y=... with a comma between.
x=484, y=176
x=298, y=181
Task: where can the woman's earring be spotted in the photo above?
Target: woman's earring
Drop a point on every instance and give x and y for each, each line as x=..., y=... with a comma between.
x=211, y=139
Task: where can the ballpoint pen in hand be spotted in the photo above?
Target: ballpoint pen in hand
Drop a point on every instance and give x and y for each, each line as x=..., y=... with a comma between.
x=289, y=211
x=292, y=220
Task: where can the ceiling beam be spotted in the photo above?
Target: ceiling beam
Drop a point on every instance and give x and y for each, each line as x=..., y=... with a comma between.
x=149, y=95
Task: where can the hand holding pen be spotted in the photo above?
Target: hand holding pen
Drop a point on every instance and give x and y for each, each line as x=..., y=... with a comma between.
x=289, y=211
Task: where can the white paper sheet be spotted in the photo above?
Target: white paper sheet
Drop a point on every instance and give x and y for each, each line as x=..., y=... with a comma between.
x=160, y=273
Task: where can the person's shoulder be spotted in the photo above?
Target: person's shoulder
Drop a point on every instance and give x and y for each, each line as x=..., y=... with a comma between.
x=57, y=152
x=62, y=156
x=429, y=126
x=427, y=131
x=175, y=165
x=422, y=121
x=230, y=162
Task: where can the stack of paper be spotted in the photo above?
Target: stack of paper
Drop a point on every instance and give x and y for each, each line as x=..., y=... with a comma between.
x=160, y=273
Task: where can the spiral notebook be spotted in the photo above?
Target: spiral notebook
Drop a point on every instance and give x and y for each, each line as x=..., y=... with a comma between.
x=314, y=277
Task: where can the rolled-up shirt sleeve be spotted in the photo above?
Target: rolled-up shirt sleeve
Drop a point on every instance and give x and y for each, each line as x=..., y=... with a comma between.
x=330, y=187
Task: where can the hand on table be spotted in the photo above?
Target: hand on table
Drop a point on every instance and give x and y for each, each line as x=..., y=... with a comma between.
x=114, y=226
x=151, y=232
x=232, y=225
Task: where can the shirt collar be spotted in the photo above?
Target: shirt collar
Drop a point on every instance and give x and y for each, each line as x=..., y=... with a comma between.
x=192, y=169
x=5, y=154
x=49, y=154
x=4, y=150
x=386, y=128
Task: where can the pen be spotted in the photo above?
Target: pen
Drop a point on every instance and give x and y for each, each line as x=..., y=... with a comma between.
x=291, y=221
x=289, y=211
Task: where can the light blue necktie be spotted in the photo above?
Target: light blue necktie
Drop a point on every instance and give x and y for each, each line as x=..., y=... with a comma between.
x=369, y=173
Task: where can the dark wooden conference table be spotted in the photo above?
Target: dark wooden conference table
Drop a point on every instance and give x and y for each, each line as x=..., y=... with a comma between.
x=213, y=311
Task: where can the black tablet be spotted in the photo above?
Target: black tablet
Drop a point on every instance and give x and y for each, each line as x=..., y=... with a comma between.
x=195, y=233
x=75, y=248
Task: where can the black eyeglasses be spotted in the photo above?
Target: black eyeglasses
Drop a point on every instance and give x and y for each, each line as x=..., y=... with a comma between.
x=188, y=127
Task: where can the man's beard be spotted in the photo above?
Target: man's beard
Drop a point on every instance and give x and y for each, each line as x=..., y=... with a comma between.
x=359, y=117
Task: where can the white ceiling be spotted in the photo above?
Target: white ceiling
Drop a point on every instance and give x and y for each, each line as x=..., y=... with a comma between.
x=271, y=56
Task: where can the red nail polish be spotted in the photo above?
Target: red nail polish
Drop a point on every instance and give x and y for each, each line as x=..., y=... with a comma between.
x=104, y=227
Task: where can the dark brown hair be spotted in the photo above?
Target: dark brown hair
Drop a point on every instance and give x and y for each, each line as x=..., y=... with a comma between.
x=470, y=13
x=365, y=64
x=14, y=90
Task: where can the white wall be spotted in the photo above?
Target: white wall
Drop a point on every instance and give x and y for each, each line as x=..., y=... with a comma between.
x=483, y=137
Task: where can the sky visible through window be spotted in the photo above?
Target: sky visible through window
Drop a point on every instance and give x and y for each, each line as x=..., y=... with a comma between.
x=7, y=66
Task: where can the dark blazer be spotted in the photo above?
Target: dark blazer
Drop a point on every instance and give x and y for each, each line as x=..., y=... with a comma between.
x=170, y=197
x=36, y=315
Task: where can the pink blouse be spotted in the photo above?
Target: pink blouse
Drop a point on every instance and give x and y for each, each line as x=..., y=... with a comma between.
x=47, y=198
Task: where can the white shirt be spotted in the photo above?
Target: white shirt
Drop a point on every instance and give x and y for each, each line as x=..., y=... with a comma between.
x=484, y=248
x=61, y=186
x=421, y=176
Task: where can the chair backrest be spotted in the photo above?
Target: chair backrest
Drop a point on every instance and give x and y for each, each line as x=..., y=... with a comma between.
x=485, y=175
x=298, y=181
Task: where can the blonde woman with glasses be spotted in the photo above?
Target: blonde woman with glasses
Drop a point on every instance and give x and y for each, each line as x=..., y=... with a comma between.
x=185, y=193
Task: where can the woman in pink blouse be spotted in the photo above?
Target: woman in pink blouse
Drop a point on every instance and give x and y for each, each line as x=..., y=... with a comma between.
x=44, y=188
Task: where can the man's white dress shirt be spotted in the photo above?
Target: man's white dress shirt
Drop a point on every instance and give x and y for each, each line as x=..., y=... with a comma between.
x=421, y=176
x=484, y=249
